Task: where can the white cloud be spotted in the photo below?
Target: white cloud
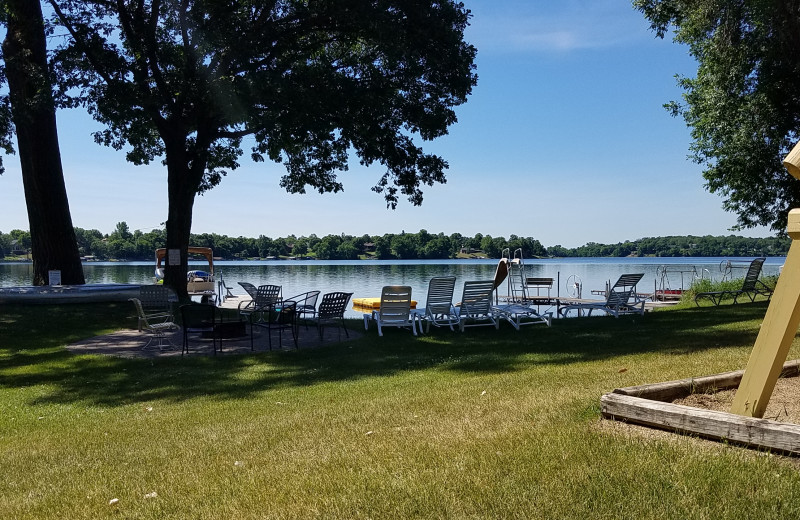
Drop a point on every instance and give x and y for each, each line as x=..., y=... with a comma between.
x=538, y=26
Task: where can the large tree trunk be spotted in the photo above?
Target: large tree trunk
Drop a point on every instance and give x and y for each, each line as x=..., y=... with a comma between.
x=53, y=241
x=181, y=192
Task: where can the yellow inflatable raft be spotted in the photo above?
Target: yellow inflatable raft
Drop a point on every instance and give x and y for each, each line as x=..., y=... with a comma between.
x=373, y=303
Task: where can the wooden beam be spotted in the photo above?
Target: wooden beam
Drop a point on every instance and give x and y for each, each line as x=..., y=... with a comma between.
x=792, y=162
x=671, y=390
x=762, y=433
x=775, y=336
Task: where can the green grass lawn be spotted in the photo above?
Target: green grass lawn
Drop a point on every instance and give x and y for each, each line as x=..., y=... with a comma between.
x=484, y=424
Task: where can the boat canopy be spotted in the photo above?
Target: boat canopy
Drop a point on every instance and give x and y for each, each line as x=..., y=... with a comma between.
x=161, y=253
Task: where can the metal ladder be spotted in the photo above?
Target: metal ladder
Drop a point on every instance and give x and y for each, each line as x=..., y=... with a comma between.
x=517, y=289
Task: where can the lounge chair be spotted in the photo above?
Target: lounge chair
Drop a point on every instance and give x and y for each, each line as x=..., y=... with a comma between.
x=331, y=312
x=395, y=309
x=439, y=309
x=751, y=287
x=476, y=305
x=251, y=291
x=618, y=301
x=519, y=314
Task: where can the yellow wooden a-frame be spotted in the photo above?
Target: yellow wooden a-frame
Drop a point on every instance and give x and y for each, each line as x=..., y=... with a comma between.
x=780, y=323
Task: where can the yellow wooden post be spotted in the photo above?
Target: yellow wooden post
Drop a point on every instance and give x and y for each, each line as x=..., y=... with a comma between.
x=776, y=334
x=780, y=323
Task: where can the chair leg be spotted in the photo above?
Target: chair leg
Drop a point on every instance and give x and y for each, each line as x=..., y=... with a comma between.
x=269, y=337
x=146, y=345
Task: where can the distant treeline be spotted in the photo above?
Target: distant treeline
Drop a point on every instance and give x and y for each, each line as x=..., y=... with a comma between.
x=122, y=244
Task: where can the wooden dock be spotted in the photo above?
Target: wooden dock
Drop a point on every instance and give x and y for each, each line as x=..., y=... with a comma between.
x=562, y=301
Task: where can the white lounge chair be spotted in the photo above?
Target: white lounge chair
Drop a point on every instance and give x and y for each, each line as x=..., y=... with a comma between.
x=519, y=314
x=476, y=305
x=395, y=309
x=439, y=309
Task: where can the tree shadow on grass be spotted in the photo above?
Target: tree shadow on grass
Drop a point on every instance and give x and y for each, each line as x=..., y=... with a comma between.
x=32, y=353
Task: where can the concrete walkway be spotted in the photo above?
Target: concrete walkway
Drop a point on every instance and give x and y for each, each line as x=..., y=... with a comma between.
x=129, y=343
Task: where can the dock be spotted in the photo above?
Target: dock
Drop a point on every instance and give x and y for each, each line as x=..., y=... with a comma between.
x=562, y=301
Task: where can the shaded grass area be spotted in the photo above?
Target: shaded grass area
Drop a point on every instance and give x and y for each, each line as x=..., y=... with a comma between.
x=475, y=425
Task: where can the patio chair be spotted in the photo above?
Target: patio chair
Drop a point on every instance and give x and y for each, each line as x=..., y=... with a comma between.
x=394, y=311
x=439, y=309
x=156, y=301
x=264, y=304
x=251, y=291
x=618, y=301
x=265, y=297
x=157, y=327
x=283, y=316
x=476, y=305
x=751, y=287
x=331, y=312
x=199, y=318
x=306, y=304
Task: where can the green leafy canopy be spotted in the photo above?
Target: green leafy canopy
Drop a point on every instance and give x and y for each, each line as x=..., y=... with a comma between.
x=743, y=107
x=304, y=81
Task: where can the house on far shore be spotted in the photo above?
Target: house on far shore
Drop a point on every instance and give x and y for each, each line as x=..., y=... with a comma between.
x=17, y=249
x=470, y=251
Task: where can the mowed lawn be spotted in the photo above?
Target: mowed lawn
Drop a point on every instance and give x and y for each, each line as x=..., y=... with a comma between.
x=484, y=424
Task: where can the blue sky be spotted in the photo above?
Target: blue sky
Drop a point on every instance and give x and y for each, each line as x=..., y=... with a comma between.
x=565, y=122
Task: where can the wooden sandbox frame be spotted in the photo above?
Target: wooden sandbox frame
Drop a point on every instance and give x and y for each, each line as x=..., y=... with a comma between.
x=651, y=405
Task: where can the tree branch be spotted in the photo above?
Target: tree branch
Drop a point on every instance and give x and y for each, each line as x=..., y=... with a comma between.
x=81, y=43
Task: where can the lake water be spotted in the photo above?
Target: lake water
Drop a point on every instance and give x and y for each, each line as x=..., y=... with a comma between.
x=365, y=278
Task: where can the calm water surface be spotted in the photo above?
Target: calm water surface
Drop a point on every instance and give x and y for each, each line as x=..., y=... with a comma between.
x=365, y=278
